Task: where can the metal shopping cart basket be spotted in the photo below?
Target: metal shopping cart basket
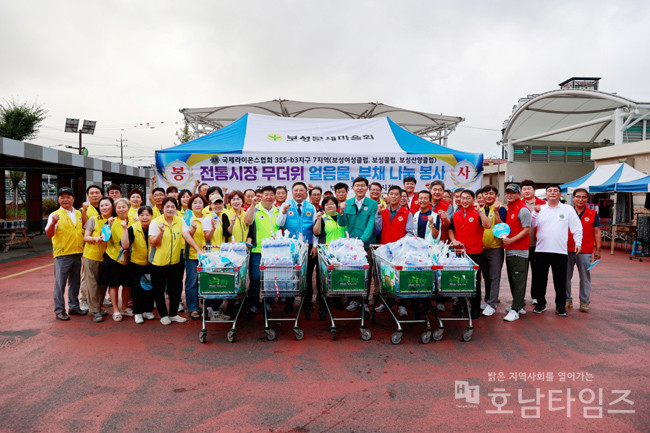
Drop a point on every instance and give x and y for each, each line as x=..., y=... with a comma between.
x=284, y=281
x=406, y=282
x=222, y=283
x=459, y=282
x=339, y=280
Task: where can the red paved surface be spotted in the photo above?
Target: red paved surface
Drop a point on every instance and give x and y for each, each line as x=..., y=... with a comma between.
x=81, y=376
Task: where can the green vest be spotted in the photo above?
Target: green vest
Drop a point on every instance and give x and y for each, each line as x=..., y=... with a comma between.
x=263, y=227
x=333, y=230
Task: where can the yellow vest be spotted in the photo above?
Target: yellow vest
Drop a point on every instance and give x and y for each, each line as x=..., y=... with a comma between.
x=218, y=237
x=96, y=251
x=91, y=211
x=114, y=244
x=239, y=228
x=156, y=212
x=68, y=239
x=140, y=247
x=199, y=238
x=169, y=251
x=489, y=240
x=207, y=211
x=133, y=213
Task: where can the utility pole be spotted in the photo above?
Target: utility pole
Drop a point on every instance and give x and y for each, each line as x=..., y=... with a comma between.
x=122, y=140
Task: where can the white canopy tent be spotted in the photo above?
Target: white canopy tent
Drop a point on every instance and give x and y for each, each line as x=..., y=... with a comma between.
x=606, y=178
x=639, y=185
x=433, y=127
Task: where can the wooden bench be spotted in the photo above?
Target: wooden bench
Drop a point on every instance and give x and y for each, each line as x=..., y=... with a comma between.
x=14, y=236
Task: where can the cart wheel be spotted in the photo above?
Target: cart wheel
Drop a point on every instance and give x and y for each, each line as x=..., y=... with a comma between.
x=298, y=333
x=231, y=336
x=437, y=334
x=467, y=335
x=321, y=314
x=396, y=338
x=366, y=334
x=203, y=335
x=270, y=334
x=333, y=334
x=425, y=338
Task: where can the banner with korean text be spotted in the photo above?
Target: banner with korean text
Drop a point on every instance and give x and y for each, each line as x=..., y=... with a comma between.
x=263, y=150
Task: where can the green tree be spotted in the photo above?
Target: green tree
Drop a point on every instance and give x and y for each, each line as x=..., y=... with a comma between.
x=20, y=122
x=184, y=134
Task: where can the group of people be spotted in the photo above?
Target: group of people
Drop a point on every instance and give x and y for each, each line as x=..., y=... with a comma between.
x=149, y=253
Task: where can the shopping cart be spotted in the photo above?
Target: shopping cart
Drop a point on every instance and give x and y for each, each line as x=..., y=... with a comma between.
x=339, y=280
x=222, y=283
x=459, y=282
x=284, y=281
x=407, y=282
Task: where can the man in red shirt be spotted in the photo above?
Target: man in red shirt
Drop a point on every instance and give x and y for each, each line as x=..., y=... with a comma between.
x=394, y=222
x=516, y=244
x=466, y=230
x=441, y=207
x=591, y=241
x=409, y=187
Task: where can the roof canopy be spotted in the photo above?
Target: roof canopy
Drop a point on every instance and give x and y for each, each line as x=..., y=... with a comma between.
x=431, y=126
x=254, y=133
x=604, y=178
x=573, y=116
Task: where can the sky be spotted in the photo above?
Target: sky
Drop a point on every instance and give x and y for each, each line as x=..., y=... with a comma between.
x=131, y=66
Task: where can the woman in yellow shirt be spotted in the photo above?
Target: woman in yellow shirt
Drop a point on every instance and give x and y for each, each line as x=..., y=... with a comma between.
x=93, y=257
x=193, y=230
x=217, y=233
x=166, y=267
x=237, y=228
x=115, y=272
x=136, y=198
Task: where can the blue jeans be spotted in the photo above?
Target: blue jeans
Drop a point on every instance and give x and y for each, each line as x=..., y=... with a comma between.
x=254, y=288
x=191, y=285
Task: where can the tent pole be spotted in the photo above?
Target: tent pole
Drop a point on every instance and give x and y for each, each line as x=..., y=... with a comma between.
x=613, y=226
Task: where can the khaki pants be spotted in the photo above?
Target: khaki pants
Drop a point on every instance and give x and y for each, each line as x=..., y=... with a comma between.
x=90, y=285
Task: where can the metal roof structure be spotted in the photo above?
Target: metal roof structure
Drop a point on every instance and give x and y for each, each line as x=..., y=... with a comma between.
x=575, y=117
x=434, y=127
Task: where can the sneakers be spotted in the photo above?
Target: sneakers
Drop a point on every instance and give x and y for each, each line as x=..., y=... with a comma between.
x=584, y=307
x=128, y=312
x=365, y=307
x=380, y=309
x=180, y=307
x=484, y=305
x=440, y=307
x=139, y=319
x=489, y=310
x=562, y=313
x=511, y=316
x=165, y=320
x=97, y=317
x=83, y=305
x=522, y=311
x=534, y=302
x=253, y=309
x=539, y=309
x=62, y=316
x=402, y=311
x=178, y=319
x=569, y=304
x=353, y=306
x=148, y=316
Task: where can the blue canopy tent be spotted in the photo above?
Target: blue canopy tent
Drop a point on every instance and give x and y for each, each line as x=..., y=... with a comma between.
x=604, y=178
x=639, y=185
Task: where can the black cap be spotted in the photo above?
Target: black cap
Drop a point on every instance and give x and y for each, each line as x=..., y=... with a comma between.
x=65, y=190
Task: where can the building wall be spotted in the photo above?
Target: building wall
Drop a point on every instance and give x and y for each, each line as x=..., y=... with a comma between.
x=545, y=173
x=636, y=155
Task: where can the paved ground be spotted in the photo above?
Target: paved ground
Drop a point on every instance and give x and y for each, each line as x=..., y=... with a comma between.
x=79, y=376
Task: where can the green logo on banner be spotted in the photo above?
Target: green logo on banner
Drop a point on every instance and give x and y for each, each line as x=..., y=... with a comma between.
x=346, y=280
x=416, y=281
x=274, y=137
